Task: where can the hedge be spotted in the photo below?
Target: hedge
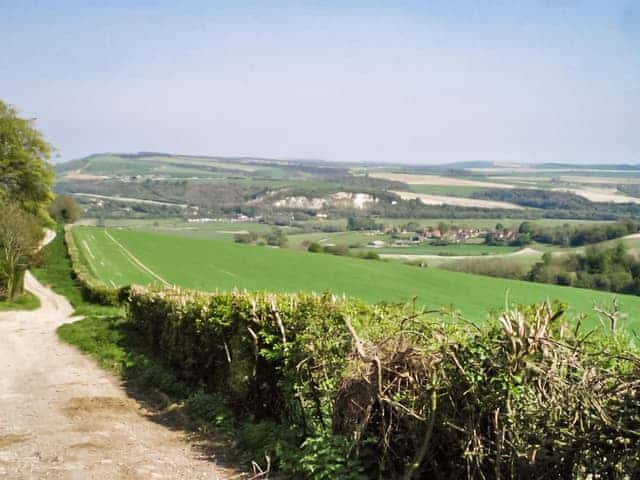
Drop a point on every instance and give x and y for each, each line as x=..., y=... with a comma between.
x=92, y=289
x=415, y=394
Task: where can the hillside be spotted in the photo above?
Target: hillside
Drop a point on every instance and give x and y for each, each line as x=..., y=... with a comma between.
x=121, y=257
x=167, y=165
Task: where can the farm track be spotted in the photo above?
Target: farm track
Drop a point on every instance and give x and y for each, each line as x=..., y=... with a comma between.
x=62, y=417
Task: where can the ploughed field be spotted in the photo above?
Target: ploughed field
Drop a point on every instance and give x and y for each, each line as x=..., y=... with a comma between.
x=121, y=257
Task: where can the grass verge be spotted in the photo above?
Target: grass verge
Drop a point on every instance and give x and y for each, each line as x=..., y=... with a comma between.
x=26, y=301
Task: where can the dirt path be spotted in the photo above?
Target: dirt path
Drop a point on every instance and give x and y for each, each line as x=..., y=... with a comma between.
x=62, y=417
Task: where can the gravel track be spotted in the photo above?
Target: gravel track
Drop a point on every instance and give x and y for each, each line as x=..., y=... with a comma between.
x=62, y=417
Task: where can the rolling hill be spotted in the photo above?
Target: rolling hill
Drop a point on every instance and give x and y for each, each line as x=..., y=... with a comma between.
x=121, y=257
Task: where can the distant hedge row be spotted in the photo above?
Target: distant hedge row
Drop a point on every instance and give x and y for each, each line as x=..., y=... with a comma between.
x=414, y=395
x=92, y=289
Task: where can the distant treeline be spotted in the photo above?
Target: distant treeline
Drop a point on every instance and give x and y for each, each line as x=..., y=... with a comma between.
x=561, y=204
x=599, y=268
x=611, y=269
x=633, y=189
x=565, y=235
x=545, y=199
x=579, y=235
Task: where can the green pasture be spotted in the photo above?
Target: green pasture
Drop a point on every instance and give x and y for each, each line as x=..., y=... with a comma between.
x=470, y=249
x=177, y=226
x=451, y=190
x=120, y=257
x=300, y=240
x=177, y=167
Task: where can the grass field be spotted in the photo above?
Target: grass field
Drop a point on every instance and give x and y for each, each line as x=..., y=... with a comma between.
x=359, y=241
x=122, y=257
x=452, y=190
x=338, y=238
x=471, y=249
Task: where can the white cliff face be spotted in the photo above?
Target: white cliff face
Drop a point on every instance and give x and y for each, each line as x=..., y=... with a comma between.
x=356, y=200
x=301, y=202
x=338, y=199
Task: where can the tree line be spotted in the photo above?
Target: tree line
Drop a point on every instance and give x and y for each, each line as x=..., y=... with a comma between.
x=611, y=269
x=566, y=235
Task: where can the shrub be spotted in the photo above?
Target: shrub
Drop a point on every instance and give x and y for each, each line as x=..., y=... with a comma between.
x=332, y=384
x=369, y=255
x=250, y=237
x=314, y=247
x=64, y=209
x=276, y=238
x=341, y=250
x=322, y=457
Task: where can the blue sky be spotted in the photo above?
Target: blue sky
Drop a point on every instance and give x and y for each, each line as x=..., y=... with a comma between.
x=412, y=82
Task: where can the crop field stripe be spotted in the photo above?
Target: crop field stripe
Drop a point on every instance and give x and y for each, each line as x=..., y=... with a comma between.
x=135, y=260
x=89, y=257
x=88, y=248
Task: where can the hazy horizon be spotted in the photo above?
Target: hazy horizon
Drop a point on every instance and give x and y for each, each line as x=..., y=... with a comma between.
x=382, y=82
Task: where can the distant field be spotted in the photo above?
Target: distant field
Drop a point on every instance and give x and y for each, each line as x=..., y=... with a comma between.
x=601, y=194
x=415, y=179
x=363, y=238
x=455, y=201
x=452, y=249
x=453, y=190
x=177, y=226
x=337, y=238
x=120, y=257
x=175, y=166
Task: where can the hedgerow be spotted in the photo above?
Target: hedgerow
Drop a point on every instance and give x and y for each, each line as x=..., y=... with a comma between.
x=336, y=388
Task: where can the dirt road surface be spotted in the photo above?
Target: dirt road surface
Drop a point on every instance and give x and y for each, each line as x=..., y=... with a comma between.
x=62, y=417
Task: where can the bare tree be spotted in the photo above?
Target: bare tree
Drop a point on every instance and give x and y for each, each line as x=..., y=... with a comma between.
x=20, y=235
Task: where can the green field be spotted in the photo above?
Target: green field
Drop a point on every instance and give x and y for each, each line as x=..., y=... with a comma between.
x=452, y=190
x=337, y=238
x=120, y=257
x=471, y=249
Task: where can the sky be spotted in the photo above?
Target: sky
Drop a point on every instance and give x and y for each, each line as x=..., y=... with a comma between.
x=418, y=82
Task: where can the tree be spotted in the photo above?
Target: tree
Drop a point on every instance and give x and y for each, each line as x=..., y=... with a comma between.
x=525, y=227
x=64, y=209
x=523, y=239
x=248, y=237
x=276, y=238
x=20, y=235
x=25, y=174
x=443, y=227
